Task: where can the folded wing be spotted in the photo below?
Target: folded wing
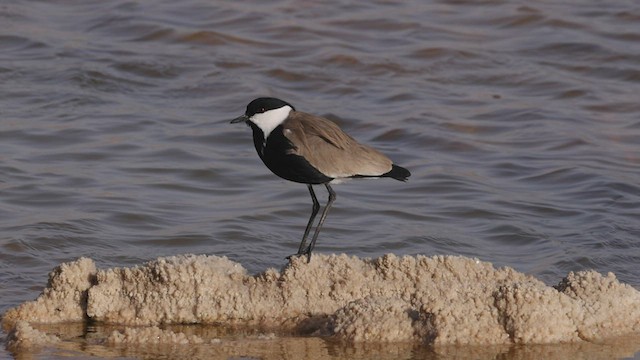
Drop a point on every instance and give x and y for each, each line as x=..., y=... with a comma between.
x=331, y=150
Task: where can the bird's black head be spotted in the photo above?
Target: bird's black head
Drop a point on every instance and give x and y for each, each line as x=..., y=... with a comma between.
x=265, y=113
x=263, y=104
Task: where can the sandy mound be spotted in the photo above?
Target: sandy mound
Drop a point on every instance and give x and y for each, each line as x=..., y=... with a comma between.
x=435, y=300
x=64, y=298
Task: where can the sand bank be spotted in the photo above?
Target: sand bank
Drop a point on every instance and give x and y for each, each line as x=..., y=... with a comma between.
x=439, y=300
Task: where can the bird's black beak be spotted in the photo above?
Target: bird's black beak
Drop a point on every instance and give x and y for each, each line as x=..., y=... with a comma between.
x=242, y=118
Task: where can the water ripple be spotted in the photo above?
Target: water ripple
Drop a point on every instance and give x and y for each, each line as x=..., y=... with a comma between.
x=519, y=124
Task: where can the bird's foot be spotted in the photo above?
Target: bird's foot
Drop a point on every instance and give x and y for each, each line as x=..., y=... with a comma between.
x=306, y=253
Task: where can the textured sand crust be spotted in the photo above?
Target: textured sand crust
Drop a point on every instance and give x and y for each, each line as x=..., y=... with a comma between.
x=439, y=300
x=22, y=335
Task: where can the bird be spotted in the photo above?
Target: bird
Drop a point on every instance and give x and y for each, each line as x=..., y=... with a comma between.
x=312, y=150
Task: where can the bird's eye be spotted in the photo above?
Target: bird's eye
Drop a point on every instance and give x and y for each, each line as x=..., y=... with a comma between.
x=262, y=110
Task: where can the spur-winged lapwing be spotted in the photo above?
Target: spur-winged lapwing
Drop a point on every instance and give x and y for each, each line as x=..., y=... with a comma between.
x=311, y=150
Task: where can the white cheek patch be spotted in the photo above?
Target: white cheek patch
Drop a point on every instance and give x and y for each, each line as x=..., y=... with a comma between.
x=269, y=120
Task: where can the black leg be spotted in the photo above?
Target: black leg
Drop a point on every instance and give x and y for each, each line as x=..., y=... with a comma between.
x=314, y=212
x=332, y=198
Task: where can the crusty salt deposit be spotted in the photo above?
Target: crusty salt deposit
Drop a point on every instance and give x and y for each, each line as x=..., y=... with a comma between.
x=22, y=335
x=152, y=335
x=64, y=298
x=438, y=300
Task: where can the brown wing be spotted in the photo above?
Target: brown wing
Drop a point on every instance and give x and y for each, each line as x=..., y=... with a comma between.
x=331, y=150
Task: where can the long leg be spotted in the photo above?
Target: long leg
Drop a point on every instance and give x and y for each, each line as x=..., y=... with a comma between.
x=314, y=212
x=332, y=198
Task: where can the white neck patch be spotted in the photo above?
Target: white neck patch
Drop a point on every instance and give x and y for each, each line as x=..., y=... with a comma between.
x=269, y=120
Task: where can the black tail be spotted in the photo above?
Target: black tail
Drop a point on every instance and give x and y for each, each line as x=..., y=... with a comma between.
x=398, y=173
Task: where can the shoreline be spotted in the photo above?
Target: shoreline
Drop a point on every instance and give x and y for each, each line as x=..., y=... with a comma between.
x=409, y=302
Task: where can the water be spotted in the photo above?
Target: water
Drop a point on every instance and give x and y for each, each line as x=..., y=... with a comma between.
x=519, y=121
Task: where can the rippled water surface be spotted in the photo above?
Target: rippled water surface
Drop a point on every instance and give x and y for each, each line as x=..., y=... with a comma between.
x=520, y=123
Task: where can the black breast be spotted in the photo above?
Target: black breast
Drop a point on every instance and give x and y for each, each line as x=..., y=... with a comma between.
x=274, y=152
